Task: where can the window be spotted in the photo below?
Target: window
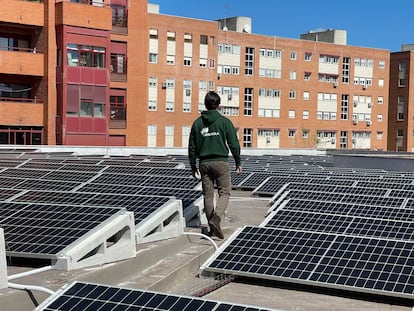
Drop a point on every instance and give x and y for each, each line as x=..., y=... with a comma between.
x=292, y=75
x=98, y=110
x=291, y=133
x=153, y=58
x=306, y=76
x=381, y=64
x=85, y=56
x=203, y=39
x=306, y=95
x=118, y=108
x=291, y=114
x=118, y=63
x=305, y=133
x=305, y=114
x=249, y=61
x=169, y=106
x=308, y=56
x=186, y=107
x=170, y=59
x=248, y=102
x=380, y=100
x=152, y=105
x=292, y=94
x=152, y=81
x=293, y=55
x=86, y=108
x=247, y=137
x=187, y=61
x=119, y=15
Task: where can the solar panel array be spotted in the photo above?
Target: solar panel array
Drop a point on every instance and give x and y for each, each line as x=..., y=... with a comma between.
x=33, y=186
x=327, y=227
x=90, y=296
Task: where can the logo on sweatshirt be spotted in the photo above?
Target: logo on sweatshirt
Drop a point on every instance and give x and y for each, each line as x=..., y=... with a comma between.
x=205, y=132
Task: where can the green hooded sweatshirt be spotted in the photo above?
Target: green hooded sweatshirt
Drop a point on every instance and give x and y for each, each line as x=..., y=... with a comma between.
x=211, y=137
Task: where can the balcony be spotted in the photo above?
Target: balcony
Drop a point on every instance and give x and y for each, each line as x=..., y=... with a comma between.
x=22, y=12
x=84, y=13
x=22, y=62
x=21, y=112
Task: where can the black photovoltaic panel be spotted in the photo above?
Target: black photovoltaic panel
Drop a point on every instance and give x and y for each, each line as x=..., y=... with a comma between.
x=86, y=161
x=6, y=194
x=159, y=164
x=379, y=266
x=50, y=185
x=401, y=193
x=409, y=203
x=175, y=172
x=340, y=224
x=169, y=181
x=187, y=196
x=350, y=209
x=121, y=179
x=9, y=163
x=341, y=197
x=254, y=180
x=89, y=296
x=24, y=173
x=384, y=185
x=236, y=179
x=10, y=182
x=337, y=189
x=69, y=176
x=31, y=230
x=141, y=205
x=109, y=188
x=271, y=185
x=82, y=167
x=42, y=165
x=131, y=170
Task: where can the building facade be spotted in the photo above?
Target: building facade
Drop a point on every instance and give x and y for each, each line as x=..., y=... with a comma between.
x=119, y=73
x=401, y=110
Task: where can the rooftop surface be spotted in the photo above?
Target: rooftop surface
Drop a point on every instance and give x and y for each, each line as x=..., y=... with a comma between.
x=173, y=266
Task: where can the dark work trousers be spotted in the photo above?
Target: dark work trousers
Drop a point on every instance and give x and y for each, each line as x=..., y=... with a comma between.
x=215, y=172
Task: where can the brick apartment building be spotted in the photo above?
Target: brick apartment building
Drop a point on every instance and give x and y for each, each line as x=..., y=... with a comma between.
x=119, y=73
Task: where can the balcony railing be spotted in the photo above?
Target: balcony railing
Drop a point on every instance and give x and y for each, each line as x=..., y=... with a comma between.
x=34, y=100
x=88, y=2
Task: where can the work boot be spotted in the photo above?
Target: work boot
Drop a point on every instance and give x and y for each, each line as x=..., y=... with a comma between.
x=214, y=223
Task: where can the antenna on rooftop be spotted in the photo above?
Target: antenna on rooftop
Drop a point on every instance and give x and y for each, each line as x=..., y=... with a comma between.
x=226, y=7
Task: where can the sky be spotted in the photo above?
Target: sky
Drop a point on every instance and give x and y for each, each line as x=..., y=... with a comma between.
x=369, y=23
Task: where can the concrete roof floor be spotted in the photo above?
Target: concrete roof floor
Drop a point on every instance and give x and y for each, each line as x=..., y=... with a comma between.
x=172, y=266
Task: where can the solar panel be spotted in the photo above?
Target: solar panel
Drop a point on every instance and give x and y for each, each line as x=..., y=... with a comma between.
x=51, y=185
x=376, y=266
x=350, y=209
x=339, y=197
x=187, y=196
x=109, y=188
x=141, y=205
x=253, y=180
x=79, y=176
x=6, y=194
x=89, y=296
x=132, y=170
x=341, y=224
x=24, y=173
x=46, y=229
x=177, y=172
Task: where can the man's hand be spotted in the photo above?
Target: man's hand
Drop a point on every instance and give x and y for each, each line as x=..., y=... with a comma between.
x=195, y=173
x=239, y=169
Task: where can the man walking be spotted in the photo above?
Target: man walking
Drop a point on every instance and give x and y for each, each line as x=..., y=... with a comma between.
x=212, y=136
